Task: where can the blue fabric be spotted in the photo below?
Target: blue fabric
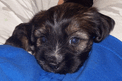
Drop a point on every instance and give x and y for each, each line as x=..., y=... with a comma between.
x=104, y=64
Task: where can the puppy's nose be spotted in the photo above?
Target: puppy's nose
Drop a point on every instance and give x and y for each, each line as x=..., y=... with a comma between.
x=52, y=60
x=53, y=65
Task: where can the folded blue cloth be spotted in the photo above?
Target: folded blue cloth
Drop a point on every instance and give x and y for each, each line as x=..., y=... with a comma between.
x=104, y=64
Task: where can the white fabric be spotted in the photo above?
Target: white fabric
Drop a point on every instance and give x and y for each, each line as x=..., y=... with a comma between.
x=112, y=8
x=14, y=12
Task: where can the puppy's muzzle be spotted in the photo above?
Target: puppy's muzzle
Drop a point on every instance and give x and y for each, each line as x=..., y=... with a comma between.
x=54, y=60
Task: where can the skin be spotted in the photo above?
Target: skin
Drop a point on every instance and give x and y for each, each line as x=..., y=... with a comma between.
x=60, y=2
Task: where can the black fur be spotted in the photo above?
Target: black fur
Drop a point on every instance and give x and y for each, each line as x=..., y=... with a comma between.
x=86, y=3
x=61, y=38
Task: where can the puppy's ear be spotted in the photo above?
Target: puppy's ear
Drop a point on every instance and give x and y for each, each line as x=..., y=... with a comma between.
x=105, y=25
x=20, y=37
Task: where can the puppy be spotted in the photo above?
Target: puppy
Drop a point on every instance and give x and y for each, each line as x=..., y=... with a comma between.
x=61, y=38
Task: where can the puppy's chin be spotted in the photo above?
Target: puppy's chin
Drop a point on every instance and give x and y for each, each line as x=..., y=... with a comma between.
x=50, y=67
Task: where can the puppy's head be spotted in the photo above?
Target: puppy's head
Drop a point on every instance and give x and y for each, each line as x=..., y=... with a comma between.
x=62, y=37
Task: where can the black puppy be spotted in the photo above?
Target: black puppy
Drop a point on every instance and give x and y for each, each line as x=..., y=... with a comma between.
x=61, y=38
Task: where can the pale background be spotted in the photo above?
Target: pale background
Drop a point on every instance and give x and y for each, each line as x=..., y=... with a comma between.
x=14, y=12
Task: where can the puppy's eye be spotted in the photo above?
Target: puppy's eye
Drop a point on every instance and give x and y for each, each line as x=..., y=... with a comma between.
x=43, y=39
x=74, y=40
